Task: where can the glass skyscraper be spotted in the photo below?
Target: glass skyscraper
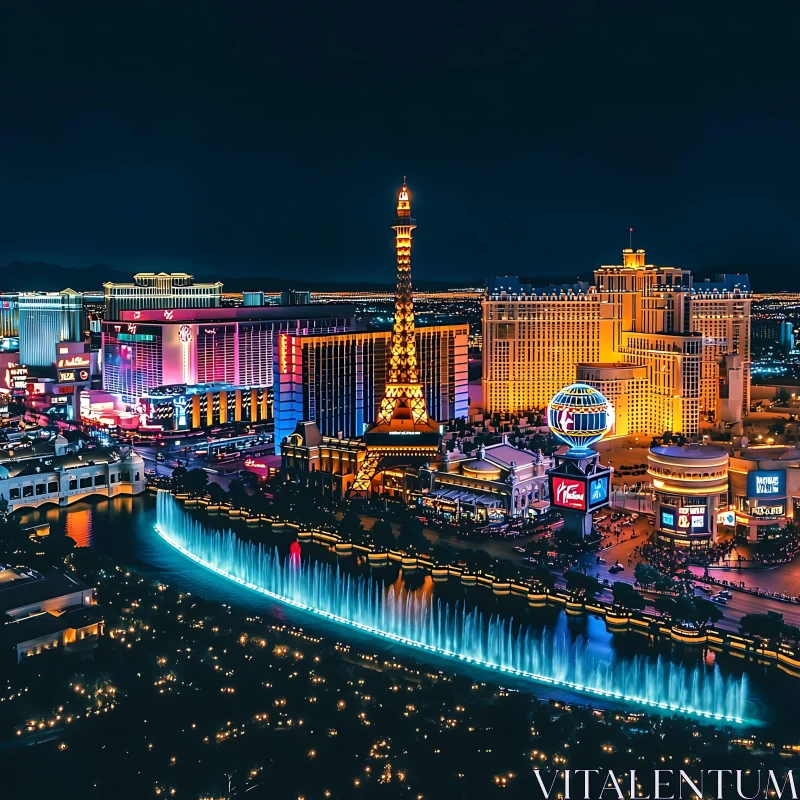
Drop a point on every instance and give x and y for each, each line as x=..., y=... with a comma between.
x=45, y=319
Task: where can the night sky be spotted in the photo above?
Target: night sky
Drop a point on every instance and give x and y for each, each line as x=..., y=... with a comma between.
x=269, y=138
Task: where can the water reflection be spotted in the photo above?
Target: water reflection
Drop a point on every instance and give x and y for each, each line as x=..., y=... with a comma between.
x=78, y=527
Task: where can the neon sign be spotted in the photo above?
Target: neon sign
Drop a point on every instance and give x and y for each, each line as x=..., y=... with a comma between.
x=74, y=361
x=185, y=336
x=283, y=353
x=16, y=376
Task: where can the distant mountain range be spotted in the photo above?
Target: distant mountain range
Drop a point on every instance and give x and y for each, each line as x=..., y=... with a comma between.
x=43, y=277
x=40, y=276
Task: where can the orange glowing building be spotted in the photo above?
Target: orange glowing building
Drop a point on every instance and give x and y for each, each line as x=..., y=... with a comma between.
x=403, y=433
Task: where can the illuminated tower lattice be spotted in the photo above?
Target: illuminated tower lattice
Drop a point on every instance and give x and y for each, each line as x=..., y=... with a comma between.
x=403, y=432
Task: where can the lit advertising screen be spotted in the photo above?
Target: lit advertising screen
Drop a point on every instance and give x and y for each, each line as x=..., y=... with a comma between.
x=567, y=493
x=689, y=520
x=766, y=483
x=726, y=518
x=598, y=491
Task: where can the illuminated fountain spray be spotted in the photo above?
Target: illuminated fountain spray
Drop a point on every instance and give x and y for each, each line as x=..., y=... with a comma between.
x=450, y=630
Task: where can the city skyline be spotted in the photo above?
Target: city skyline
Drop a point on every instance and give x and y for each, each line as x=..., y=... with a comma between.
x=401, y=403
x=205, y=144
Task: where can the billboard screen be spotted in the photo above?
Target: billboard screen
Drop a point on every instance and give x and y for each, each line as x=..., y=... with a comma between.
x=567, y=493
x=598, y=491
x=726, y=518
x=766, y=483
x=689, y=520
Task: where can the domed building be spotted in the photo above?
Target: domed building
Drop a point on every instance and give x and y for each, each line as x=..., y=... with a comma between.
x=690, y=486
x=500, y=483
x=480, y=468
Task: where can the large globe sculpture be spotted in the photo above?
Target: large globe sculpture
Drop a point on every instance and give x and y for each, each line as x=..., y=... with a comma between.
x=580, y=416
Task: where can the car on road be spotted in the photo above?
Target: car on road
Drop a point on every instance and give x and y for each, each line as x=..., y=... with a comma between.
x=719, y=600
x=519, y=549
x=725, y=593
x=160, y=457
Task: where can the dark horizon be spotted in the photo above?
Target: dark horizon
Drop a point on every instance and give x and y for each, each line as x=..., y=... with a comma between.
x=270, y=142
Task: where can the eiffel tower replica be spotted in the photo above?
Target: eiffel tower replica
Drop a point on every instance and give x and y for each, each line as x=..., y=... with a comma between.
x=403, y=434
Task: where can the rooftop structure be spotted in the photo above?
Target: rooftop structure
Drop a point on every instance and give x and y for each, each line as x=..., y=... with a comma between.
x=41, y=611
x=160, y=290
x=25, y=591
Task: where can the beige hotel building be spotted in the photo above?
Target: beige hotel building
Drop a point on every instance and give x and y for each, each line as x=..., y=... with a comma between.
x=665, y=351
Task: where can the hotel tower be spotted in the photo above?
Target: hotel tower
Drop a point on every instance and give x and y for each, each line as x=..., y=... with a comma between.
x=667, y=352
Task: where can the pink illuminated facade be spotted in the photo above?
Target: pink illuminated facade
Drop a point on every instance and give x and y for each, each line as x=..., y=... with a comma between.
x=164, y=347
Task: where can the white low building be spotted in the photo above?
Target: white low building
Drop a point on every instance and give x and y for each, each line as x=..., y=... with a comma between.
x=65, y=477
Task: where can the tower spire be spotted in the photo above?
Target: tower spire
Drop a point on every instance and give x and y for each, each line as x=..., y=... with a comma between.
x=403, y=432
x=404, y=396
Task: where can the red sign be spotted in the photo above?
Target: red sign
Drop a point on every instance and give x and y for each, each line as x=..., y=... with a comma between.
x=568, y=493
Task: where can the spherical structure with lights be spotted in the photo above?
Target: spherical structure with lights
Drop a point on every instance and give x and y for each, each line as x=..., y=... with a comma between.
x=580, y=416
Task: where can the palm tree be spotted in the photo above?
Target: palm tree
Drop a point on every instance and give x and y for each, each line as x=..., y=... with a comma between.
x=216, y=493
x=196, y=482
x=383, y=535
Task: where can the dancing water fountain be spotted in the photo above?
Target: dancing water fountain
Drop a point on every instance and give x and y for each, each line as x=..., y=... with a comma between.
x=451, y=630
